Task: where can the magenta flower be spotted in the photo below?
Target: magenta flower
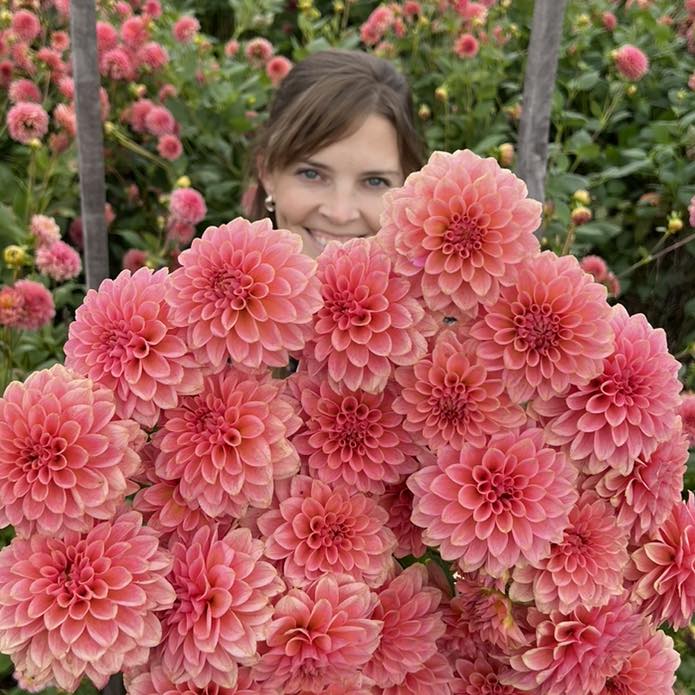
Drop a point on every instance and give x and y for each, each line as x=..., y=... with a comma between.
x=318, y=530
x=463, y=225
x=247, y=292
x=397, y=500
x=107, y=36
x=82, y=605
x=631, y=62
x=26, y=121
x=64, y=459
x=222, y=609
x=494, y=506
x=123, y=338
x=58, y=261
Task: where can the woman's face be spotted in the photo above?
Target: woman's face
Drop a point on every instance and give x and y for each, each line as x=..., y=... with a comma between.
x=336, y=193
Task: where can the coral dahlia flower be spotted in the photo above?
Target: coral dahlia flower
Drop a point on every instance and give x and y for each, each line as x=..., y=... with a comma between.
x=370, y=318
x=549, y=330
x=449, y=397
x=64, y=459
x=687, y=413
x=154, y=681
x=434, y=676
x=247, y=292
x=83, y=604
x=625, y=412
x=494, y=506
x=397, y=500
x=479, y=676
x=463, y=225
x=123, y=338
x=318, y=530
x=319, y=635
x=222, y=609
x=227, y=445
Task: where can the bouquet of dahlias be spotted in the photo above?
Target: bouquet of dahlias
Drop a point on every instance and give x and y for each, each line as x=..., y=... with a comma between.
x=471, y=484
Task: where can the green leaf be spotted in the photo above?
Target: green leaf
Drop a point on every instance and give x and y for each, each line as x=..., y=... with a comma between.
x=584, y=82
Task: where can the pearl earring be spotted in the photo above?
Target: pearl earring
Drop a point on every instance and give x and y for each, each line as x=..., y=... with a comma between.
x=269, y=203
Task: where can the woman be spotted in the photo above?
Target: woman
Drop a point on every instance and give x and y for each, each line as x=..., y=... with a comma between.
x=340, y=133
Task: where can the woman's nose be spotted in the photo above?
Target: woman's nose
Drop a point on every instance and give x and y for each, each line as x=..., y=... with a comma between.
x=340, y=207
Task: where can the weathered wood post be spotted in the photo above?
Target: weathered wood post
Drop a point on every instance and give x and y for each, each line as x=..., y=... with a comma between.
x=90, y=141
x=539, y=86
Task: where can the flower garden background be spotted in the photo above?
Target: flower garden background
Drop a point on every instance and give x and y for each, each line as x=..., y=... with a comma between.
x=184, y=87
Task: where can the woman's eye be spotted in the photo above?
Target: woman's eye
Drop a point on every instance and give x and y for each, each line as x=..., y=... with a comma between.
x=377, y=182
x=309, y=174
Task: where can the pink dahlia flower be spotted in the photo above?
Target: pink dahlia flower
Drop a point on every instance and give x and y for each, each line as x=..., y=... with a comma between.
x=625, y=412
x=159, y=121
x=60, y=41
x=64, y=460
x=584, y=569
x=83, y=604
x=137, y=113
x=609, y=21
x=44, y=229
x=228, y=444
x=258, y=51
x=434, y=676
x=122, y=338
x=247, y=292
x=154, y=681
x=277, y=68
x=318, y=530
x=107, y=36
x=463, y=226
x=38, y=308
x=117, y=64
x=479, y=677
x=687, y=413
x=169, y=147
x=595, y=266
x=319, y=635
x=25, y=25
x=58, y=261
x=185, y=29
x=352, y=437
x=466, y=46
x=26, y=121
x=662, y=569
x=134, y=32
x=231, y=48
x=644, y=498
x=576, y=653
x=631, y=62
x=133, y=259
x=370, y=319
x=412, y=625
x=153, y=8
x=24, y=90
x=494, y=506
x=11, y=306
x=153, y=56
x=449, y=397
x=549, y=330
x=222, y=609
x=187, y=205
x=397, y=500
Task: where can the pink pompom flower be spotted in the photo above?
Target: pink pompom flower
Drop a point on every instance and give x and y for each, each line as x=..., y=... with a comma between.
x=631, y=62
x=609, y=21
x=38, y=307
x=258, y=51
x=318, y=530
x=687, y=413
x=44, y=229
x=185, y=29
x=117, y=64
x=107, y=36
x=247, y=292
x=466, y=46
x=231, y=48
x=153, y=55
x=83, y=604
x=187, y=205
x=123, y=338
x=25, y=25
x=58, y=261
x=152, y=8
x=26, y=121
x=133, y=259
x=134, y=32
x=463, y=226
x=494, y=506
x=137, y=113
x=277, y=68
x=24, y=90
x=159, y=121
x=169, y=147
x=595, y=266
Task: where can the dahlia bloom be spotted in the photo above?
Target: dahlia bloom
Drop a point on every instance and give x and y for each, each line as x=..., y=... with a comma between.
x=137, y=113
x=25, y=25
x=319, y=635
x=549, y=330
x=154, y=681
x=625, y=412
x=370, y=319
x=449, y=397
x=631, y=62
x=479, y=676
x=397, y=500
x=180, y=232
x=122, y=338
x=58, y=261
x=411, y=627
x=134, y=32
x=494, y=506
x=231, y=48
x=185, y=29
x=24, y=90
x=107, y=36
x=26, y=121
x=38, y=308
x=169, y=147
x=318, y=530
x=60, y=41
x=466, y=46
x=133, y=259
x=595, y=266
x=352, y=437
x=44, y=229
x=153, y=8
x=434, y=676
x=187, y=205
x=584, y=569
x=65, y=117
x=222, y=609
x=258, y=51
x=117, y=64
x=83, y=604
x=277, y=68
x=662, y=569
x=247, y=292
x=153, y=55
x=11, y=306
x=576, y=653
x=64, y=460
x=226, y=445
x=462, y=225
x=687, y=413
x=159, y=121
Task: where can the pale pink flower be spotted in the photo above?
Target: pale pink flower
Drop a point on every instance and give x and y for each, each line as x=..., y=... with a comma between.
x=397, y=500
x=11, y=306
x=352, y=437
x=58, y=261
x=83, y=604
x=609, y=21
x=185, y=29
x=434, y=676
x=258, y=51
x=480, y=676
x=466, y=46
x=155, y=681
x=159, y=121
x=228, y=444
x=123, y=8
x=25, y=25
x=133, y=259
x=687, y=413
x=187, y=205
x=463, y=226
x=625, y=412
x=662, y=569
x=450, y=397
x=319, y=635
x=63, y=469
x=169, y=147
x=153, y=55
x=38, y=308
x=123, y=338
x=277, y=68
x=412, y=624
x=134, y=32
x=595, y=266
x=576, y=653
x=231, y=48
x=60, y=41
x=137, y=113
x=491, y=507
x=318, y=530
x=167, y=91
x=247, y=292
x=631, y=62
x=107, y=36
x=24, y=90
x=370, y=322
x=549, y=330
x=180, y=232
x=65, y=117
x=222, y=609
x=612, y=285
x=44, y=229
x=26, y=121
x=117, y=64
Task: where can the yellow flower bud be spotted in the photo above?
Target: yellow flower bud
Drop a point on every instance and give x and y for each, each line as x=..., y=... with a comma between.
x=14, y=256
x=5, y=16
x=505, y=154
x=581, y=196
x=423, y=21
x=109, y=127
x=681, y=94
x=251, y=100
x=313, y=14
x=137, y=89
x=506, y=4
x=583, y=21
x=338, y=6
x=160, y=222
x=183, y=182
x=424, y=112
x=441, y=93
x=581, y=215
x=675, y=223
x=35, y=144
x=631, y=90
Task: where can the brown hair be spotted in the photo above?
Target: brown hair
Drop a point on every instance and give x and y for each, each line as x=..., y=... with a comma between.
x=325, y=98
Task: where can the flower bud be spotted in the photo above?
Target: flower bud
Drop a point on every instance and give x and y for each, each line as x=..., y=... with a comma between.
x=631, y=90
x=160, y=222
x=424, y=112
x=441, y=93
x=675, y=223
x=183, y=182
x=581, y=196
x=505, y=154
x=581, y=215
x=34, y=144
x=109, y=127
x=14, y=256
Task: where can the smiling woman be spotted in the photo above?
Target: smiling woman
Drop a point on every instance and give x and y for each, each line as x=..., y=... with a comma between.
x=340, y=134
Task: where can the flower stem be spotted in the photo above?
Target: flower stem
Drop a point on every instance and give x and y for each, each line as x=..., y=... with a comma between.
x=653, y=257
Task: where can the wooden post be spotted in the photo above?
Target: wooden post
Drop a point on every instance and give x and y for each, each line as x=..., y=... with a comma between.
x=90, y=141
x=539, y=86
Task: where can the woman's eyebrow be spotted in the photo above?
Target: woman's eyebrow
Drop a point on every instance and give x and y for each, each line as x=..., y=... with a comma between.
x=375, y=172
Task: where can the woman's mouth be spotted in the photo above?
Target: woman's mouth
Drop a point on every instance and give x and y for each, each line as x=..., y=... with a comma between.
x=324, y=238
